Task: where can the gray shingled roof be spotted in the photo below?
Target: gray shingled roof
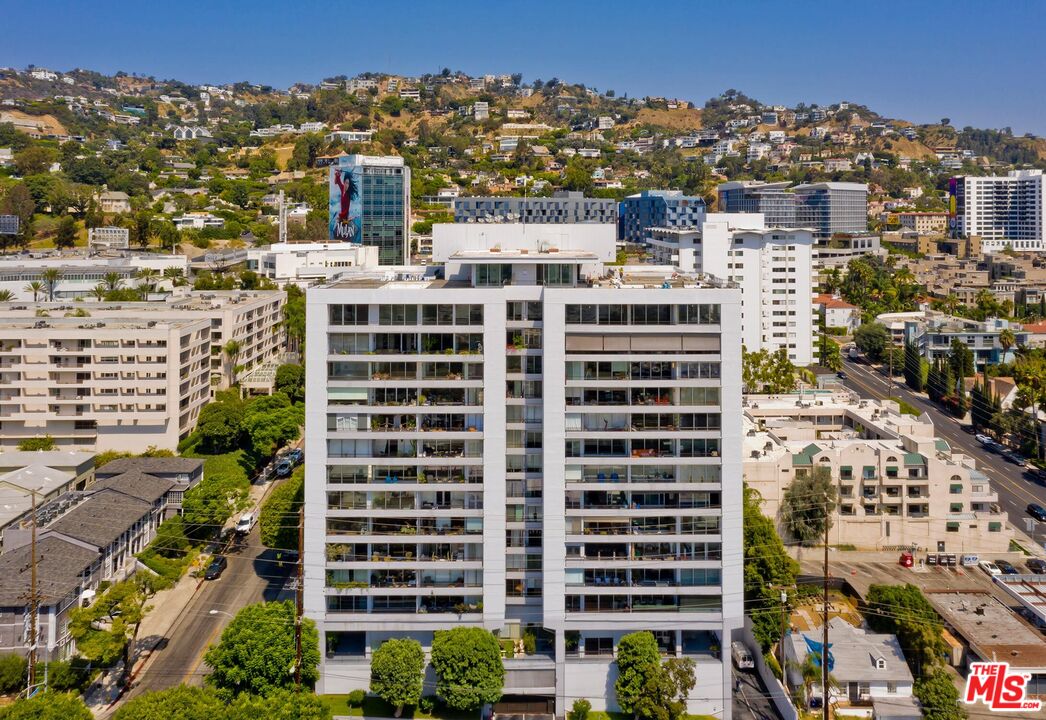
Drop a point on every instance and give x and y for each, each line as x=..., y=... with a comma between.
x=855, y=652
x=136, y=484
x=101, y=518
x=151, y=465
x=59, y=563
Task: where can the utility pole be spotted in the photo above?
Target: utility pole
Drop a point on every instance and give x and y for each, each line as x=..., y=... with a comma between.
x=299, y=601
x=33, y=603
x=824, y=619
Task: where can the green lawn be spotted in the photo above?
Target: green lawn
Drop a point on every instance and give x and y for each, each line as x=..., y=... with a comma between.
x=907, y=408
x=375, y=707
x=237, y=465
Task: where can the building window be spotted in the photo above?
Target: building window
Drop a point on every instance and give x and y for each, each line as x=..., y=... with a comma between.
x=955, y=488
x=952, y=527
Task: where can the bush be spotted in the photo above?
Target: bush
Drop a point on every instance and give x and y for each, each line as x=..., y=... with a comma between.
x=69, y=675
x=37, y=443
x=12, y=673
x=579, y=710
x=771, y=662
x=279, y=514
x=427, y=704
x=356, y=698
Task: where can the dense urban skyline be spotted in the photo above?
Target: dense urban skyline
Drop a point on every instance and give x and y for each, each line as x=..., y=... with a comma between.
x=904, y=61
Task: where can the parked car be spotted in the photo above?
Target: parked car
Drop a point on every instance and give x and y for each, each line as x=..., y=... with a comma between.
x=1037, y=566
x=983, y=439
x=1037, y=511
x=216, y=568
x=1006, y=567
x=283, y=468
x=742, y=658
x=989, y=567
x=296, y=456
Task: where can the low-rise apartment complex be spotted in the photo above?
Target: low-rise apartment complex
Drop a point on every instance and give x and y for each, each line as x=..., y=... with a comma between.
x=898, y=484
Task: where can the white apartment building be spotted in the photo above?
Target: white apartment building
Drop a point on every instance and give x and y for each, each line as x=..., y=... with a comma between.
x=120, y=384
x=898, y=484
x=1002, y=210
x=772, y=266
x=305, y=263
x=124, y=376
x=529, y=445
x=108, y=238
x=78, y=276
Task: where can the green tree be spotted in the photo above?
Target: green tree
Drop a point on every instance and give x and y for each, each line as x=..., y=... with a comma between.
x=47, y=705
x=279, y=515
x=34, y=160
x=13, y=669
x=294, y=318
x=767, y=569
x=468, y=667
x=638, y=658
x=961, y=359
x=176, y=703
x=51, y=277
x=290, y=380
x=256, y=651
x=35, y=287
x=913, y=367
x=19, y=201
x=763, y=371
x=106, y=630
x=66, y=234
x=33, y=444
x=220, y=427
x=1007, y=340
x=903, y=611
x=666, y=691
x=808, y=504
x=830, y=355
x=270, y=422
x=396, y=672
x=577, y=175
x=938, y=696
x=872, y=339
x=280, y=705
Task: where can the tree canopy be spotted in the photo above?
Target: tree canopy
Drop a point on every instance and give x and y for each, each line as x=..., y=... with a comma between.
x=808, y=504
x=48, y=705
x=396, y=672
x=256, y=652
x=204, y=703
x=767, y=569
x=468, y=666
x=648, y=688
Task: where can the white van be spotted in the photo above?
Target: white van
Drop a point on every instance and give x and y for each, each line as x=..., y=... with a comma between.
x=742, y=658
x=246, y=523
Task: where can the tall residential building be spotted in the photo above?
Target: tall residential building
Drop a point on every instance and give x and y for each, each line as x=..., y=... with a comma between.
x=1002, y=210
x=531, y=445
x=657, y=208
x=370, y=204
x=773, y=266
x=755, y=196
x=832, y=208
x=563, y=207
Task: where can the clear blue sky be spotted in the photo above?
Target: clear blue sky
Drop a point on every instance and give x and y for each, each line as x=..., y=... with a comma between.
x=979, y=63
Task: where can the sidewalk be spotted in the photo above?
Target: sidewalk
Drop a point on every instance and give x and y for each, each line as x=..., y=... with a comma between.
x=165, y=609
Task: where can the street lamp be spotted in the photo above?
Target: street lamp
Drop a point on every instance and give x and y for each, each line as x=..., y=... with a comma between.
x=212, y=611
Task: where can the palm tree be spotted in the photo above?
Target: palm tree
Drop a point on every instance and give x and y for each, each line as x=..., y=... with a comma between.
x=232, y=349
x=35, y=287
x=6, y=296
x=951, y=304
x=146, y=278
x=99, y=291
x=112, y=281
x=51, y=276
x=1007, y=339
x=175, y=275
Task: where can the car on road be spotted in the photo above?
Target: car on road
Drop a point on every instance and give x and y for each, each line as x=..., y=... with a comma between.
x=1015, y=457
x=284, y=467
x=296, y=456
x=989, y=567
x=742, y=658
x=1037, y=511
x=246, y=523
x=983, y=439
x=841, y=375
x=216, y=568
x=994, y=447
x=1006, y=567
x=1037, y=566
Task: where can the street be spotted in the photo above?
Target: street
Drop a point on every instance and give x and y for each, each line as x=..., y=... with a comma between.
x=253, y=575
x=751, y=699
x=1015, y=487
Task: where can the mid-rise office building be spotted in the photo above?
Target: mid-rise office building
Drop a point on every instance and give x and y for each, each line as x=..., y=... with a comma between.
x=1004, y=211
x=529, y=444
x=657, y=208
x=832, y=208
x=754, y=196
x=771, y=265
x=563, y=207
x=78, y=277
x=306, y=263
x=370, y=204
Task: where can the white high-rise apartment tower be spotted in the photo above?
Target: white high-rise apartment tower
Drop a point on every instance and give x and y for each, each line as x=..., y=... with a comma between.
x=1002, y=210
x=536, y=444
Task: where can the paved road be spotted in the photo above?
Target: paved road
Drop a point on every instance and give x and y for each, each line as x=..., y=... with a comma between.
x=253, y=575
x=1015, y=486
x=751, y=699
